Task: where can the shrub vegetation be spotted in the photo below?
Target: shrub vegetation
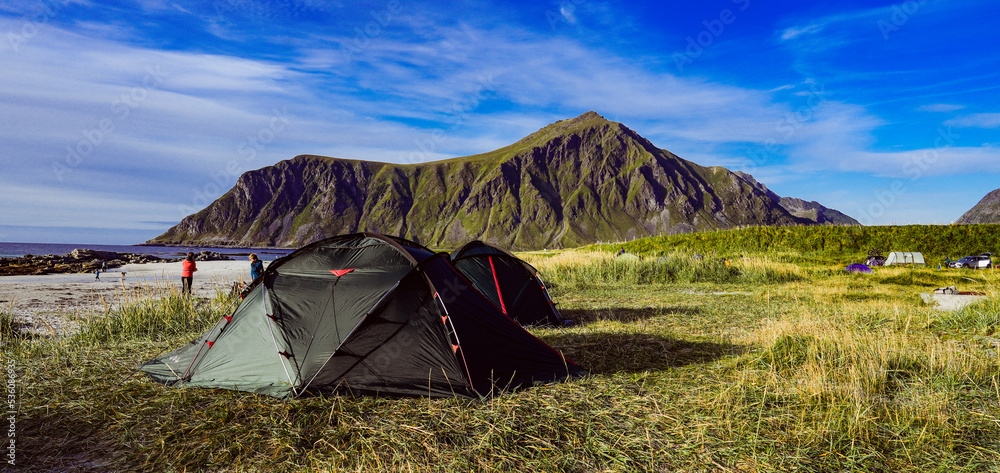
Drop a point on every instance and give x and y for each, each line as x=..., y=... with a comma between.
x=830, y=242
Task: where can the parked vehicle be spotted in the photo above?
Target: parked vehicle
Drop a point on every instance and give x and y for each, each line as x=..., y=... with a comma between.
x=982, y=261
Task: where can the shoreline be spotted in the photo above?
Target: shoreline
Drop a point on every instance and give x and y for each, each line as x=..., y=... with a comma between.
x=214, y=245
x=53, y=251
x=47, y=303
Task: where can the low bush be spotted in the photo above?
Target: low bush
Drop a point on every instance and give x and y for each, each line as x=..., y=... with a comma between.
x=155, y=313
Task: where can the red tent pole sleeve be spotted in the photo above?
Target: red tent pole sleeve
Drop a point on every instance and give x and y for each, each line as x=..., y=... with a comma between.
x=497, y=281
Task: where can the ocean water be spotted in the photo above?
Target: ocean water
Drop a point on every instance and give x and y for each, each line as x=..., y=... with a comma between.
x=12, y=250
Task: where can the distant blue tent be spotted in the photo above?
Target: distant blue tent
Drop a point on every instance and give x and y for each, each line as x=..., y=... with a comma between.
x=859, y=268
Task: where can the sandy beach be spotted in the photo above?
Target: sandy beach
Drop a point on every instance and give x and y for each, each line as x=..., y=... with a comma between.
x=45, y=302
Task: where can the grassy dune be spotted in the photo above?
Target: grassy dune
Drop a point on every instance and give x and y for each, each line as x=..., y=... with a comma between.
x=829, y=243
x=773, y=361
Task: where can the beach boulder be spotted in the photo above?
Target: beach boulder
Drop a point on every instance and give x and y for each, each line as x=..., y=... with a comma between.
x=87, y=254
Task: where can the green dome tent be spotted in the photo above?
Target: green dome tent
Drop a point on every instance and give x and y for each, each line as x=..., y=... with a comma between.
x=364, y=314
x=509, y=282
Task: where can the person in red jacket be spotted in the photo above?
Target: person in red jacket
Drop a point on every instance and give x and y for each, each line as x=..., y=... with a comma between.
x=187, y=272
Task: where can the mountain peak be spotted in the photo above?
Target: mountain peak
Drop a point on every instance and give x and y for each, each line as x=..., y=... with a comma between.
x=591, y=115
x=578, y=125
x=587, y=120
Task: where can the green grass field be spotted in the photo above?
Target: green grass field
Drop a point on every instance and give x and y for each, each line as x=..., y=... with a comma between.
x=776, y=361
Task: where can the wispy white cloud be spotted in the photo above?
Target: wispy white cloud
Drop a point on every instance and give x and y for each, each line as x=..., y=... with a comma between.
x=440, y=81
x=77, y=208
x=842, y=149
x=976, y=120
x=940, y=107
x=568, y=11
x=839, y=137
x=538, y=73
x=418, y=89
x=865, y=19
x=816, y=36
x=928, y=162
x=29, y=9
x=796, y=31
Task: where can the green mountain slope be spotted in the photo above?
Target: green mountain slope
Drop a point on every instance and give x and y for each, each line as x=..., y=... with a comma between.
x=571, y=183
x=986, y=211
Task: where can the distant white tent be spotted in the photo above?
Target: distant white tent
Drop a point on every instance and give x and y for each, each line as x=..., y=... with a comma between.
x=904, y=257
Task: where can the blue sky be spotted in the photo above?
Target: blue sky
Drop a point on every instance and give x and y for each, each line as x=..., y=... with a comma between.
x=117, y=119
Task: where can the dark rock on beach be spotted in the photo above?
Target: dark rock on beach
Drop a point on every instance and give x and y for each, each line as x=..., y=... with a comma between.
x=83, y=260
x=205, y=256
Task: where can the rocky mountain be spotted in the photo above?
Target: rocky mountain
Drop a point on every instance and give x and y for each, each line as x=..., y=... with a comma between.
x=811, y=210
x=571, y=183
x=986, y=211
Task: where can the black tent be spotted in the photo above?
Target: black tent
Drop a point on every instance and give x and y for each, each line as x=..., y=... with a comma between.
x=512, y=284
x=364, y=314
